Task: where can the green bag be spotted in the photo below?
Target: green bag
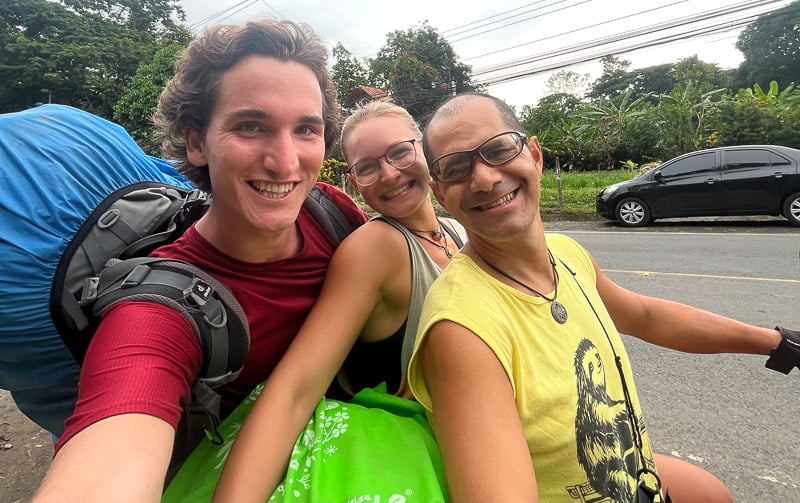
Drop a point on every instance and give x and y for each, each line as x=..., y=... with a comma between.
x=375, y=448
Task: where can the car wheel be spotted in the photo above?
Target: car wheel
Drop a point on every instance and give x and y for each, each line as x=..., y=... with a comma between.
x=632, y=212
x=791, y=209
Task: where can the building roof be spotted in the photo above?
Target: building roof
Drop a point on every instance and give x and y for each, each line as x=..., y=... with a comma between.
x=362, y=94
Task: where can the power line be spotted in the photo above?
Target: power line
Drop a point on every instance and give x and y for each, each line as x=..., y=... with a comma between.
x=523, y=20
x=223, y=14
x=639, y=32
x=612, y=43
x=490, y=17
x=699, y=32
x=571, y=32
x=577, y=53
x=489, y=23
x=279, y=15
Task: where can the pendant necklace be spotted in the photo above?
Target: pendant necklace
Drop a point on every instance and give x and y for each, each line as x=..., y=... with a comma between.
x=557, y=309
x=437, y=236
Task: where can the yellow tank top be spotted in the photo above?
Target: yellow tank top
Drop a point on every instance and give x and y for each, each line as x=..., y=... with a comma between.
x=567, y=389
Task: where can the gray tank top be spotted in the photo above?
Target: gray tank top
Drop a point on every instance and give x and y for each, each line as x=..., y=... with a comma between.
x=423, y=272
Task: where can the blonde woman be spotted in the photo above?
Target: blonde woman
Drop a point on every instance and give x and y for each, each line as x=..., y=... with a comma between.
x=369, y=305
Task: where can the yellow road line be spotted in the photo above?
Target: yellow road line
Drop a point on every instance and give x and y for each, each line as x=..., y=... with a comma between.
x=713, y=276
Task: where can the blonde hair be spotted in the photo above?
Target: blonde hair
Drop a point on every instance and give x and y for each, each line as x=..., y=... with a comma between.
x=376, y=109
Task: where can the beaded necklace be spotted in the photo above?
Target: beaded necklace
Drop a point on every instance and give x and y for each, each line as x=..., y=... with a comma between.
x=435, y=237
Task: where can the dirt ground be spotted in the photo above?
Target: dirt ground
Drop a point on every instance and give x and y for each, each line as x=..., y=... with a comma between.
x=25, y=453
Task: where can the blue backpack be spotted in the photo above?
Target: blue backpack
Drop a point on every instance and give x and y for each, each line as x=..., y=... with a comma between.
x=82, y=209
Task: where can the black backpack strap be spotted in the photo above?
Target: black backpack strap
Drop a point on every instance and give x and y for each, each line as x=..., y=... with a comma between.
x=207, y=305
x=211, y=310
x=199, y=420
x=328, y=215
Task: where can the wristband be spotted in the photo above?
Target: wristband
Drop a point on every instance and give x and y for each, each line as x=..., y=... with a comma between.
x=786, y=355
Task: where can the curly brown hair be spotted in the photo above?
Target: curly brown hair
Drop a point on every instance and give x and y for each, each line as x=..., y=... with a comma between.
x=190, y=96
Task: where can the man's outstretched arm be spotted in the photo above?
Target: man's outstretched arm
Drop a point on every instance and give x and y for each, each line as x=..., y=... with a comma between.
x=122, y=458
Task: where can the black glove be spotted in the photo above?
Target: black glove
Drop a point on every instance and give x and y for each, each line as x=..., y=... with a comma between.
x=787, y=355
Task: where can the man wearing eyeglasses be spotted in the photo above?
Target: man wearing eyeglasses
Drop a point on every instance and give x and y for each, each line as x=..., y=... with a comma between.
x=519, y=359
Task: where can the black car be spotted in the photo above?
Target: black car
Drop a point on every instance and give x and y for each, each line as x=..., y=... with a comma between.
x=743, y=180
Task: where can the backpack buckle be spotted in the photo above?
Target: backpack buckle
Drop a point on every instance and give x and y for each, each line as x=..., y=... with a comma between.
x=137, y=275
x=194, y=199
x=198, y=292
x=89, y=291
x=197, y=194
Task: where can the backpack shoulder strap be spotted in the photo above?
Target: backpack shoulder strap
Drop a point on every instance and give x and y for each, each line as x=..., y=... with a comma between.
x=210, y=308
x=327, y=214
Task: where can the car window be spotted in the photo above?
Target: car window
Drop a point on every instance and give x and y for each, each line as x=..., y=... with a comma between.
x=691, y=165
x=778, y=160
x=746, y=159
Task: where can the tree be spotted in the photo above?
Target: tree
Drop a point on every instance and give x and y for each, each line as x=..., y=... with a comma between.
x=150, y=16
x=706, y=76
x=84, y=53
x=567, y=103
x=609, y=120
x=614, y=81
x=642, y=140
x=567, y=82
x=758, y=116
x=654, y=80
x=536, y=120
x=134, y=110
x=347, y=73
x=418, y=68
x=682, y=116
x=771, y=48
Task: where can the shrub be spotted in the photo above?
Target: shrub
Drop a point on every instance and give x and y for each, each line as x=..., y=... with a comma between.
x=332, y=172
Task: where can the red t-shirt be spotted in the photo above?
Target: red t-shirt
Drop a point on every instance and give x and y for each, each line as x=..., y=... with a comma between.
x=144, y=357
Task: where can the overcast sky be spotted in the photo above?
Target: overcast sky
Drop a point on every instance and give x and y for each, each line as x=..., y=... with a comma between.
x=484, y=33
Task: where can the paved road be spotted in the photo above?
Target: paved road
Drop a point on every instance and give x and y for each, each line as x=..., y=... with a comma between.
x=726, y=413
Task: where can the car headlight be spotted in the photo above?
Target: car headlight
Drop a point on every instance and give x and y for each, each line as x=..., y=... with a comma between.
x=609, y=191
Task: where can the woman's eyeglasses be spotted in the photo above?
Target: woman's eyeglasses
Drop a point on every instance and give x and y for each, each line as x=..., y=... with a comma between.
x=457, y=166
x=400, y=155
